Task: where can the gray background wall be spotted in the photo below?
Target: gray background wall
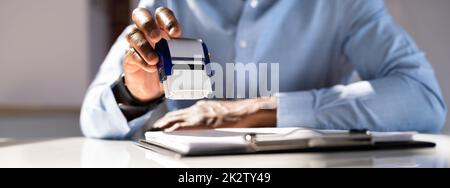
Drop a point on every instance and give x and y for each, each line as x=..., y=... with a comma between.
x=43, y=52
x=37, y=74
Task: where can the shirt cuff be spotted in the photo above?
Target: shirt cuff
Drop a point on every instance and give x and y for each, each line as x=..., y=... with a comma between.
x=119, y=126
x=296, y=109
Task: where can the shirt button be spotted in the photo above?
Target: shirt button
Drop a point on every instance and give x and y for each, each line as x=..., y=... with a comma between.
x=254, y=3
x=243, y=44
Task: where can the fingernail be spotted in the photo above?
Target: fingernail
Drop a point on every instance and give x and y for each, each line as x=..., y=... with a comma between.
x=173, y=31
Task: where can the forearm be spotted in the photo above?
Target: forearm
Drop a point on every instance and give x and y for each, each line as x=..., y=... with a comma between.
x=393, y=103
x=264, y=112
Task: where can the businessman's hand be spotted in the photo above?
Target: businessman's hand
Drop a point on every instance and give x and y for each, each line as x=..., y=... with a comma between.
x=260, y=112
x=141, y=76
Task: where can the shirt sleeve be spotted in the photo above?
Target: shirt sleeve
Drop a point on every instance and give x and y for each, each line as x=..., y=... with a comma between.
x=100, y=115
x=398, y=91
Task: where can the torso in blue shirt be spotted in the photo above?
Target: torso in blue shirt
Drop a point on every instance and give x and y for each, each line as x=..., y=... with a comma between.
x=321, y=46
x=304, y=37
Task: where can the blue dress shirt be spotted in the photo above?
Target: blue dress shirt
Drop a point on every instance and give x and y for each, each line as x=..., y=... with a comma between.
x=343, y=65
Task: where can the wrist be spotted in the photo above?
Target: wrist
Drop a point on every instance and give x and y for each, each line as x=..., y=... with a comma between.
x=266, y=103
x=128, y=104
x=251, y=106
x=262, y=112
x=141, y=93
x=261, y=118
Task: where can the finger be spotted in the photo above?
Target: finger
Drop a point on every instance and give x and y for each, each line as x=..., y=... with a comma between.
x=175, y=127
x=147, y=25
x=134, y=62
x=131, y=65
x=137, y=41
x=184, y=126
x=167, y=22
x=166, y=122
x=212, y=121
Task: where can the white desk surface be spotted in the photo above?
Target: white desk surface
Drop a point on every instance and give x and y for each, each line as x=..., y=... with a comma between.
x=82, y=152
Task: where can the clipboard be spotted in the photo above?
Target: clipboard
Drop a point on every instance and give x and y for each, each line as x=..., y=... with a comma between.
x=354, y=140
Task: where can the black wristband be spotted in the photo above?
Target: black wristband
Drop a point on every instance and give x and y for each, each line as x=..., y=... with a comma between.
x=130, y=106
